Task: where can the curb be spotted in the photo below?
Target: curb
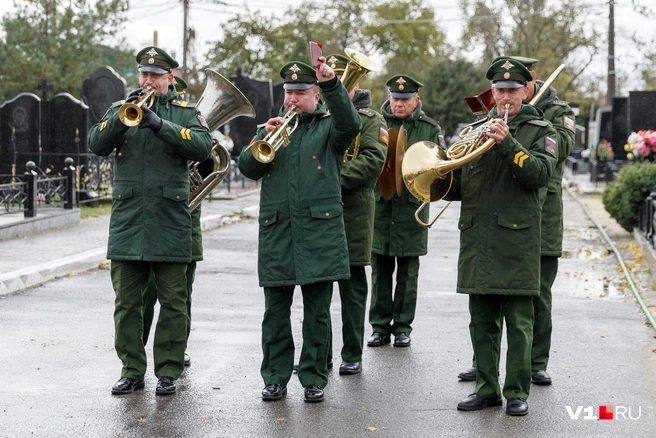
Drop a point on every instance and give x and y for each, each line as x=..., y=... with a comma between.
x=67, y=266
x=17, y=281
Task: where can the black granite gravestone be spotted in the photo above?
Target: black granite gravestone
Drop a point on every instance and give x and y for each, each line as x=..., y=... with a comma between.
x=619, y=126
x=64, y=132
x=641, y=110
x=20, y=140
x=260, y=95
x=100, y=90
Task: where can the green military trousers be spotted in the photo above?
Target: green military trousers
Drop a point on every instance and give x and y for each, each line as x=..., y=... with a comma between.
x=487, y=313
x=353, y=296
x=278, y=342
x=130, y=279
x=542, y=309
x=400, y=307
x=150, y=298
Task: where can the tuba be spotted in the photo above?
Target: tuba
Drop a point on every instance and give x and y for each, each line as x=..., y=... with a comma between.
x=357, y=66
x=220, y=102
x=264, y=150
x=428, y=169
x=130, y=113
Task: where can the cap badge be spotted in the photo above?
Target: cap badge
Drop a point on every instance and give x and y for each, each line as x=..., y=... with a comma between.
x=401, y=81
x=294, y=68
x=506, y=75
x=152, y=52
x=507, y=65
x=151, y=60
x=332, y=61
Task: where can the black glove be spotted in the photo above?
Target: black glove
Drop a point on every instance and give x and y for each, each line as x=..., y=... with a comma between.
x=150, y=120
x=134, y=95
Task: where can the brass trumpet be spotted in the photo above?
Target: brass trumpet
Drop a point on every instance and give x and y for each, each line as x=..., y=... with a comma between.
x=264, y=150
x=130, y=113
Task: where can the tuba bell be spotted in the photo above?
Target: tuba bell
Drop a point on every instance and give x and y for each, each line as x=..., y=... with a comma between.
x=220, y=102
x=357, y=66
x=428, y=169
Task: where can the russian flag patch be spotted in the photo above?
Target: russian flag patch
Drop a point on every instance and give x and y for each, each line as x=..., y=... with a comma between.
x=551, y=146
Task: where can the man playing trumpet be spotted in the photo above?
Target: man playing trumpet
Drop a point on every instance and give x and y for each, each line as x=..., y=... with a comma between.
x=301, y=229
x=150, y=225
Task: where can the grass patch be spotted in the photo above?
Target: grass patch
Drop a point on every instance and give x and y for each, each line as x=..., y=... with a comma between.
x=101, y=209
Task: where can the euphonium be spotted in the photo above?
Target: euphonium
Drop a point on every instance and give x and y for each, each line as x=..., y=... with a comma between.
x=264, y=150
x=220, y=102
x=357, y=66
x=130, y=113
x=427, y=168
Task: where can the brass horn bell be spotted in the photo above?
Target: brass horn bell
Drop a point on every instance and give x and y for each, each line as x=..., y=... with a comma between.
x=220, y=102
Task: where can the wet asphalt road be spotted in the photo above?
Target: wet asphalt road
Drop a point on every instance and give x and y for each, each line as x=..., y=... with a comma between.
x=59, y=362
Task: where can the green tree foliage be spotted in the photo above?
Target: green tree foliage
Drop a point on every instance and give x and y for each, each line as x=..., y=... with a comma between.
x=400, y=35
x=448, y=84
x=535, y=28
x=622, y=198
x=61, y=41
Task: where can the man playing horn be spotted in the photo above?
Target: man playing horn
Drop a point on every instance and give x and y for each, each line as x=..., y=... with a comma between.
x=500, y=215
x=560, y=114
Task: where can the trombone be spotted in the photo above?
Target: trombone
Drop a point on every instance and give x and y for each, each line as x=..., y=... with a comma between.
x=264, y=150
x=131, y=114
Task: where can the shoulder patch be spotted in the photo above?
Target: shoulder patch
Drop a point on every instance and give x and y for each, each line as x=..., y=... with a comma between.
x=538, y=122
x=560, y=102
x=367, y=112
x=569, y=123
x=202, y=121
x=425, y=118
x=182, y=103
x=551, y=146
x=383, y=136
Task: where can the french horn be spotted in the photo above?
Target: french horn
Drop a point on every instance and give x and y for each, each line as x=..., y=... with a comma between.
x=428, y=169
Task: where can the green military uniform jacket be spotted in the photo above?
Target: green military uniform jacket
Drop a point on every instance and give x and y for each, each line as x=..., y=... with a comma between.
x=562, y=117
x=150, y=218
x=396, y=232
x=500, y=211
x=360, y=179
x=301, y=236
x=196, y=236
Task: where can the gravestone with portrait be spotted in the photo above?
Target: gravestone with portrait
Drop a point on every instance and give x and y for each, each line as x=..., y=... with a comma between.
x=20, y=141
x=100, y=90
